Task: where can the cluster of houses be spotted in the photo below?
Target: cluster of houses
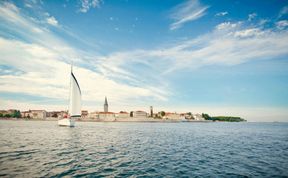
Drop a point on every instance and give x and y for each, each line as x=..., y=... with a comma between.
x=108, y=116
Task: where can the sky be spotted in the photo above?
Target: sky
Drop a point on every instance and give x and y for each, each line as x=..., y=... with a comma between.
x=218, y=57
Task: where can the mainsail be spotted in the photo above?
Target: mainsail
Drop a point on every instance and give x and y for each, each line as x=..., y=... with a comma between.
x=75, y=97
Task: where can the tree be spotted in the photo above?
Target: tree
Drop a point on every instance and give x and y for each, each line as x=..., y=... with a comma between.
x=16, y=114
x=7, y=115
x=206, y=116
x=1, y=115
x=162, y=113
x=131, y=114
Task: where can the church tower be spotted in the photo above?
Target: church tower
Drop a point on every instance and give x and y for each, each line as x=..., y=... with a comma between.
x=105, y=105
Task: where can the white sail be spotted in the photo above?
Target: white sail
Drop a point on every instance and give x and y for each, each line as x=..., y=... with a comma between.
x=75, y=98
x=74, y=105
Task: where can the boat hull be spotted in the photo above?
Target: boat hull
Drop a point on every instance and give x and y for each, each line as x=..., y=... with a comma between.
x=66, y=122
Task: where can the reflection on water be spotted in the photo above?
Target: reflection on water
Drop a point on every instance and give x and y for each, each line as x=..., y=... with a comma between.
x=143, y=149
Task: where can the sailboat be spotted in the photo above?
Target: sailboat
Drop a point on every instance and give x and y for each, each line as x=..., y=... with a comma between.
x=74, y=111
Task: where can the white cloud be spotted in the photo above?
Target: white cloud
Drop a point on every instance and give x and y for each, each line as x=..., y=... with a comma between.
x=52, y=21
x=44, y=62
x=227, y=26
x=44, y=74
x=251, y=16
x=221, y=13
x=249, y=32
x=282, y=24
x=87, y=4
x=229, y=44
x=283, y=11
x=186, y=12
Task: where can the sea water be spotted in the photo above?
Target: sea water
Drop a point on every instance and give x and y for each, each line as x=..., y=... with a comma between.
x=122, y=149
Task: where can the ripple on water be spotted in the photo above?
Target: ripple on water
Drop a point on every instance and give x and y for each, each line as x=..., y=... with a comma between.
x=41, y=149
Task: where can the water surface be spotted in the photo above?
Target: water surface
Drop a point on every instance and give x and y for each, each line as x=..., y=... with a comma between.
x=42, y=149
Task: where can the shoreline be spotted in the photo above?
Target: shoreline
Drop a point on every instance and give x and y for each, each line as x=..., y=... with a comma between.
x=119, y=120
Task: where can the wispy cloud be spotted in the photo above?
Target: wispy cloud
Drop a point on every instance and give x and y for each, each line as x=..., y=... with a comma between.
x=87, y=4
x=283, y=11
x=41, y=59
x=229, y=44
x=282, y=24
x=186, y=12
x=221, y=13
x=44, y=64
x=252, y=16
x=52, y=21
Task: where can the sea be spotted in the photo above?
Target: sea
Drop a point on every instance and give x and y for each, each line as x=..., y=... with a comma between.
x=127, y=149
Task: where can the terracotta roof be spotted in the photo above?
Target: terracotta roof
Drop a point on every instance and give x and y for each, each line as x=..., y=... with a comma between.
x=140, y=111
x=106, y=112
x=123, y=112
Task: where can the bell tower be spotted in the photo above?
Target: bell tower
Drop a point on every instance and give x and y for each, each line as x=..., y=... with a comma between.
x=105, y=105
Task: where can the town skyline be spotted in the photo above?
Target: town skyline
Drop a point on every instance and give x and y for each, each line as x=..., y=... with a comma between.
x=202, y=56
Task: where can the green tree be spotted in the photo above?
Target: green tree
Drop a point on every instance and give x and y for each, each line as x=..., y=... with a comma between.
x=1, y=115
x=16, y=114
x=7, y=115
x=162, y=113
x=206, y=116
x=131, y=114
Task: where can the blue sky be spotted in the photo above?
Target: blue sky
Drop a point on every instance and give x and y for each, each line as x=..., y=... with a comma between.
x=223, y=58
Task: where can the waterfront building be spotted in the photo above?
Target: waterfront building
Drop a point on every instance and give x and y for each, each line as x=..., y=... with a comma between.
x=139, y=114
x=84, y=114
x=25, y=114
x=57, y=114
x=105, y=105
x=93, y=115
x=122, y=114
x=172, y=116
x=37, y=114
x=198, y=117
x=106, y=115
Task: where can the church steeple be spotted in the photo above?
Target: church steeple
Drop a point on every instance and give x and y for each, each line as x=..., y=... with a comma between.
x=106, y=105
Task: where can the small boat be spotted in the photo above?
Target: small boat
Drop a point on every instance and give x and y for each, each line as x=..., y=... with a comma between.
x=74, y=111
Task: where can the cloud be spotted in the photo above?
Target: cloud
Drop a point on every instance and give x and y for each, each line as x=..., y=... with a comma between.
x=44, y=61
x=283, y=11
x=43, y=58
x=186, y=12
x=251, y=32
x=282, y=24
x=228, y=44
x=87, y=4
x=221, y=13
x=251, y=16
x=227, y=25
x=52, y=21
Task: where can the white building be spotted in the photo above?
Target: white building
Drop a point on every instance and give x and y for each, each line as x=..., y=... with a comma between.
x=106, y=115
x=139, y=114
x=93, y=115
x=198, y=117
x=172, y=116
x=122, y=114
x=37, y=114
